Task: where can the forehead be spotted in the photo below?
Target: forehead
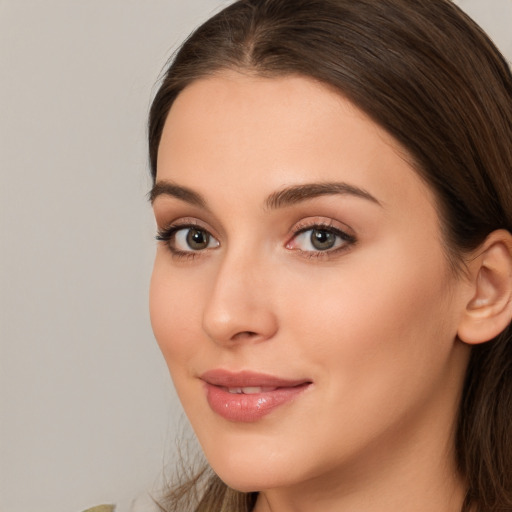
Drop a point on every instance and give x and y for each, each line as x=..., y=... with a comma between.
x=268, y=133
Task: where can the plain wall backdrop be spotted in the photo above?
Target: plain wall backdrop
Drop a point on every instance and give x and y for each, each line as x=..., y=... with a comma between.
x=88, y=414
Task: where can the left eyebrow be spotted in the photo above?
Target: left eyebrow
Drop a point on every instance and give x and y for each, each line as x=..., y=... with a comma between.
x=298, y=193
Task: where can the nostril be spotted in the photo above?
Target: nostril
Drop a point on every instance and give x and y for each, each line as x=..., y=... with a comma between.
x=244, y=335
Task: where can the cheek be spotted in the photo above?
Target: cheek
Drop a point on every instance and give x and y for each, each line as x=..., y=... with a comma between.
x=173, y=306
x=374, y=320
x=378, y=337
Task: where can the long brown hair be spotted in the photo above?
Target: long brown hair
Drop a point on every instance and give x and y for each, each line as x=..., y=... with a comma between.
x=426, y=73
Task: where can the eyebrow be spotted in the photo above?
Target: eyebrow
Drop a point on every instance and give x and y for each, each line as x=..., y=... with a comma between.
x=298, y=193
x=279, y=199
x=171, y=189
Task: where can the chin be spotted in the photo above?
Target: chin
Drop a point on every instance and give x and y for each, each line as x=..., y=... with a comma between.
x=251, y=479
x=254, y=469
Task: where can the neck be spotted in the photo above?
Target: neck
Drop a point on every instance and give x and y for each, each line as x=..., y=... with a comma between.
x=393, y=492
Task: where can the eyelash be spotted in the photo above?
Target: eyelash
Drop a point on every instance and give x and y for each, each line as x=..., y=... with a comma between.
x=347, y=240
x=167, y=235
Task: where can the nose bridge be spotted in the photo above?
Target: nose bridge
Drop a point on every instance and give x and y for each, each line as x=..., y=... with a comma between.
x=239, y=304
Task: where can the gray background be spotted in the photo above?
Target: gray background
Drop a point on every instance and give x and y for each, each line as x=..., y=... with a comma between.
x=88, y=415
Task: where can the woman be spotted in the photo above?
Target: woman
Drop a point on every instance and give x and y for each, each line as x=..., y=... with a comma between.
x=332, y=285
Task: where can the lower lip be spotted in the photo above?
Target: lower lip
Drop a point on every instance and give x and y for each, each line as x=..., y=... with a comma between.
x=248, y=408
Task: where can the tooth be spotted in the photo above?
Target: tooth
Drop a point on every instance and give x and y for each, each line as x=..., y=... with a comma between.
x=251, y=390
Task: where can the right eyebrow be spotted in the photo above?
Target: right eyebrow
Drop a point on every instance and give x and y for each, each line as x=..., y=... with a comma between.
x=168, y=188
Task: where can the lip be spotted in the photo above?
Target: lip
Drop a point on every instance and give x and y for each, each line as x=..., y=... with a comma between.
x=241, y=407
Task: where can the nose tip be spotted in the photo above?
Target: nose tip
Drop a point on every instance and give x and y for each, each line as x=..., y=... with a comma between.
x=239, y=309
x=239, y=323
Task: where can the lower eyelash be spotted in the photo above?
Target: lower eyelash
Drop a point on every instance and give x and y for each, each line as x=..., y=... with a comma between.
x=322, y=255
x=165, y=235
x=181, y=255
x=349, y=239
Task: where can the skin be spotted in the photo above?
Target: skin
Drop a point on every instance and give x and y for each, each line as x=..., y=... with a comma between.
x=371, y=323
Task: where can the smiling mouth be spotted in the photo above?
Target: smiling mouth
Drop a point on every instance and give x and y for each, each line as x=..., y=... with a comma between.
x=248, y=397
x=248, y=380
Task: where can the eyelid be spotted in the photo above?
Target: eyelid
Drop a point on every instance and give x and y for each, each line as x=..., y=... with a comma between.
x=185, y=222
x=166, y=234
x=322, y=222
x=345, y=233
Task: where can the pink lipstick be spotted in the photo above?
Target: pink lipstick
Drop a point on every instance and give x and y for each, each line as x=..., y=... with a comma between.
x=247, y=396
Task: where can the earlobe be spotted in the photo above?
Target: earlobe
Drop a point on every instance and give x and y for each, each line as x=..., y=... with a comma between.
x=489, y=310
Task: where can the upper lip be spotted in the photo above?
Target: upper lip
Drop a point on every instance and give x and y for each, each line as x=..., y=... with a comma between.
x=227, y=379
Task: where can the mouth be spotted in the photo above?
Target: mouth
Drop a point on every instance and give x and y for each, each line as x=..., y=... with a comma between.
x=249, y=390
x=247, y=396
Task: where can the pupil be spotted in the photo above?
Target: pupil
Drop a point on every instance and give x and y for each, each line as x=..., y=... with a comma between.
x=197, y=239
x=322, y=240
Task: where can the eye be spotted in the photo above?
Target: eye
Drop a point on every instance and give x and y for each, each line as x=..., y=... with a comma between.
x=194, y=239
x=320, y=239
x=187, y=239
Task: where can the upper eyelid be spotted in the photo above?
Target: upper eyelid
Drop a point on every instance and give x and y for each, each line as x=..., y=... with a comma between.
x=175, y=211
x=333, y=229
x=321, y=222
x=303, y=225
x=186, y=222
x=182, y=221
x=347, y=237
x=324, y=227
x=173, y=228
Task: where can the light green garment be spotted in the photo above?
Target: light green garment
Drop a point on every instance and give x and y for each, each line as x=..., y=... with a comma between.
x=101, y=508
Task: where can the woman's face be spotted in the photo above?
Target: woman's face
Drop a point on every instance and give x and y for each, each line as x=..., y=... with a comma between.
x=300, y=294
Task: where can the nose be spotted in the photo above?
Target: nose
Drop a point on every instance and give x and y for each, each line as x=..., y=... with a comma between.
x=239, y=306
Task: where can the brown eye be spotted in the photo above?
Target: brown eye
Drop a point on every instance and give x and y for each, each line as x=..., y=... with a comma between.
x=187, y=239
x=197, y=239
x=190, y=239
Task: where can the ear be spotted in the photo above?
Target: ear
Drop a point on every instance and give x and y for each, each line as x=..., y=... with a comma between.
x=489, y=311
